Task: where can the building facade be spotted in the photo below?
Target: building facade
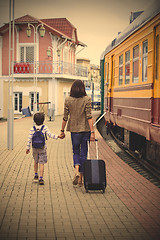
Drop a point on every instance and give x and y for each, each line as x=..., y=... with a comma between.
x=44, y=68
x=93, y=83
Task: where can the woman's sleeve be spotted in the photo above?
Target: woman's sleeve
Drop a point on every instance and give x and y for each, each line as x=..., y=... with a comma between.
x=66, y=111
x=88, y=109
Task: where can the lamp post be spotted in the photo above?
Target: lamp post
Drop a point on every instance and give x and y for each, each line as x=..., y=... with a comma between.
x=48, y=51
x=42, y=33
x=10, y=117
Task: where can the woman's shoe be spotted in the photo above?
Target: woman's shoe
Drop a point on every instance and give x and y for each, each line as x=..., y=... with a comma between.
x=80, y=184
x=75, y=180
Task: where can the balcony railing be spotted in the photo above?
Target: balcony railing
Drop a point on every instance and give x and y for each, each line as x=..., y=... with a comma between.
x=48, y=67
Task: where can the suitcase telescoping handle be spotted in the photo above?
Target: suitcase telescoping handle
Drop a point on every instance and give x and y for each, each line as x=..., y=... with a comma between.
x=96, y=141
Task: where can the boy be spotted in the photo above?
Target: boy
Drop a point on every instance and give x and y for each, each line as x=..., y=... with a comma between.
x=39, y=150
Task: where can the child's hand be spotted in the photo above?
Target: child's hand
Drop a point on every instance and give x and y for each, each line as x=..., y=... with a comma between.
x=62, y=135
x=27, y=151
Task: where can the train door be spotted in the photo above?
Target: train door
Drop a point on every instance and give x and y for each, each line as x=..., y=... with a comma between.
x=156, y=100
x=111, y=84
x=106, y=83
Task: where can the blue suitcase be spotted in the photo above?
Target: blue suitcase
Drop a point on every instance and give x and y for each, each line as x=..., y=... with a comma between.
x=94, y=173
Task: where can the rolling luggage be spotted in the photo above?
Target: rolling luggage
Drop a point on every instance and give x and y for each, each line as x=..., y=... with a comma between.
x=94, y=173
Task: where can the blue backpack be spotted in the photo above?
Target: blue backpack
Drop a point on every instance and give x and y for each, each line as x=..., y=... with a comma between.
x=38, y=139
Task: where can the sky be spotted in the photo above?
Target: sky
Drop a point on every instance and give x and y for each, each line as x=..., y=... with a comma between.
x=97, y=21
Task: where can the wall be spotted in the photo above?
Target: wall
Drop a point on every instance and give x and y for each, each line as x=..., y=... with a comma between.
x=26, y=87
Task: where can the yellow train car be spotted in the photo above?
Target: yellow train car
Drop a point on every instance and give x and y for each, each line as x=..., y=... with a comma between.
x=131, y=79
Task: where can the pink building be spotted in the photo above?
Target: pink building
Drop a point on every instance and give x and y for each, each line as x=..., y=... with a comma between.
x=50, y=76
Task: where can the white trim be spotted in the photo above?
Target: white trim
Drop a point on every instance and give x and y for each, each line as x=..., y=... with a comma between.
x=37, y=47
x=1, y=80
x=53, y=93
x=1, y=55
x=16, y=111
x=1, y=98
x=17, y=42
x=26, y=90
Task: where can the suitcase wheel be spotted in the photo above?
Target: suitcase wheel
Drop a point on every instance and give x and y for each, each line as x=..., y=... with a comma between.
x=86, y=189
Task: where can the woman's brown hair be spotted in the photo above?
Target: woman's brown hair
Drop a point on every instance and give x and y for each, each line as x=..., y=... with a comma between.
x=78, y=89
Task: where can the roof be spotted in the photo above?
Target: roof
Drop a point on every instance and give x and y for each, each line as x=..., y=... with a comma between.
x=61, y=24
x=151, y=11
x=60, y=27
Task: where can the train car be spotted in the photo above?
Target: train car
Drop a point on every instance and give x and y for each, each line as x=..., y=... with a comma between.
x=131, y=79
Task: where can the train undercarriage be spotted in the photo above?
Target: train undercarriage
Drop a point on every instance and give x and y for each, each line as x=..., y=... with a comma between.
x=149, y=151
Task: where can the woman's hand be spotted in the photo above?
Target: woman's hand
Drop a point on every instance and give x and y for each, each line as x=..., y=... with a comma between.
x=92, y=137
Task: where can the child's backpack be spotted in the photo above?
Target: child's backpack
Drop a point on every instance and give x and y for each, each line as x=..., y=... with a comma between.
x=38, y=139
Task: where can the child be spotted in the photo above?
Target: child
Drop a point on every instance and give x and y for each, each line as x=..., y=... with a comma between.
x=37, y=136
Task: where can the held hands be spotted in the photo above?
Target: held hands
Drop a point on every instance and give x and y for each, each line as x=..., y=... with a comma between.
x=62, y=135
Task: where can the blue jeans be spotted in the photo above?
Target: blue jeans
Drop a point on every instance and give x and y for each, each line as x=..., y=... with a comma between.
x=80, y=148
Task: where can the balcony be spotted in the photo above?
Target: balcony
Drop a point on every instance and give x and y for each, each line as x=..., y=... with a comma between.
x=54, y=68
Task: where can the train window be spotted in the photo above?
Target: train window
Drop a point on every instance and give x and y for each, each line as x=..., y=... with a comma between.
x=127, y=67
x=108, y=73
x=114, y=72
x=144, y=61
x=157, y=56
x=135, y=64
x=121, y=70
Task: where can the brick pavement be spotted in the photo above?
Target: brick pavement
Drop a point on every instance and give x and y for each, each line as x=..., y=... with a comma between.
x=129, y=209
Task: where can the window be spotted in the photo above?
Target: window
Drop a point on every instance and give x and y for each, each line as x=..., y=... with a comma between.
x=157, y=57
x=31, y=97
x=108, y=74
x=127, y=67
x=105, y=72
x=27, y=54
x=121, y=70
x=113, y=70
x=144, y=61
x=135, y=64
x=17, y=101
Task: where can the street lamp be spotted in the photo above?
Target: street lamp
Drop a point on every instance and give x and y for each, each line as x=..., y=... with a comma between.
x=49, y=52
x=58, y=52
x=49, y=55
x=42, y=33
x=10, y=116
x=54, y=68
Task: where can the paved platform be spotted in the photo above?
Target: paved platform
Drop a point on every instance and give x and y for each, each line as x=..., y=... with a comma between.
x=129, y=209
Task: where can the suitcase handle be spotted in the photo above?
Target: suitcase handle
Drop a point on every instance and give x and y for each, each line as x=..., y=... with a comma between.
x=96, y=140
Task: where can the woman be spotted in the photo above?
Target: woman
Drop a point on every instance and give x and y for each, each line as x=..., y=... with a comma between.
x=78, y=108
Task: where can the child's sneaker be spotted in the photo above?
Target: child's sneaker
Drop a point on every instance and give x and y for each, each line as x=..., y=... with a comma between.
x=41, y=181
x=35, y=178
